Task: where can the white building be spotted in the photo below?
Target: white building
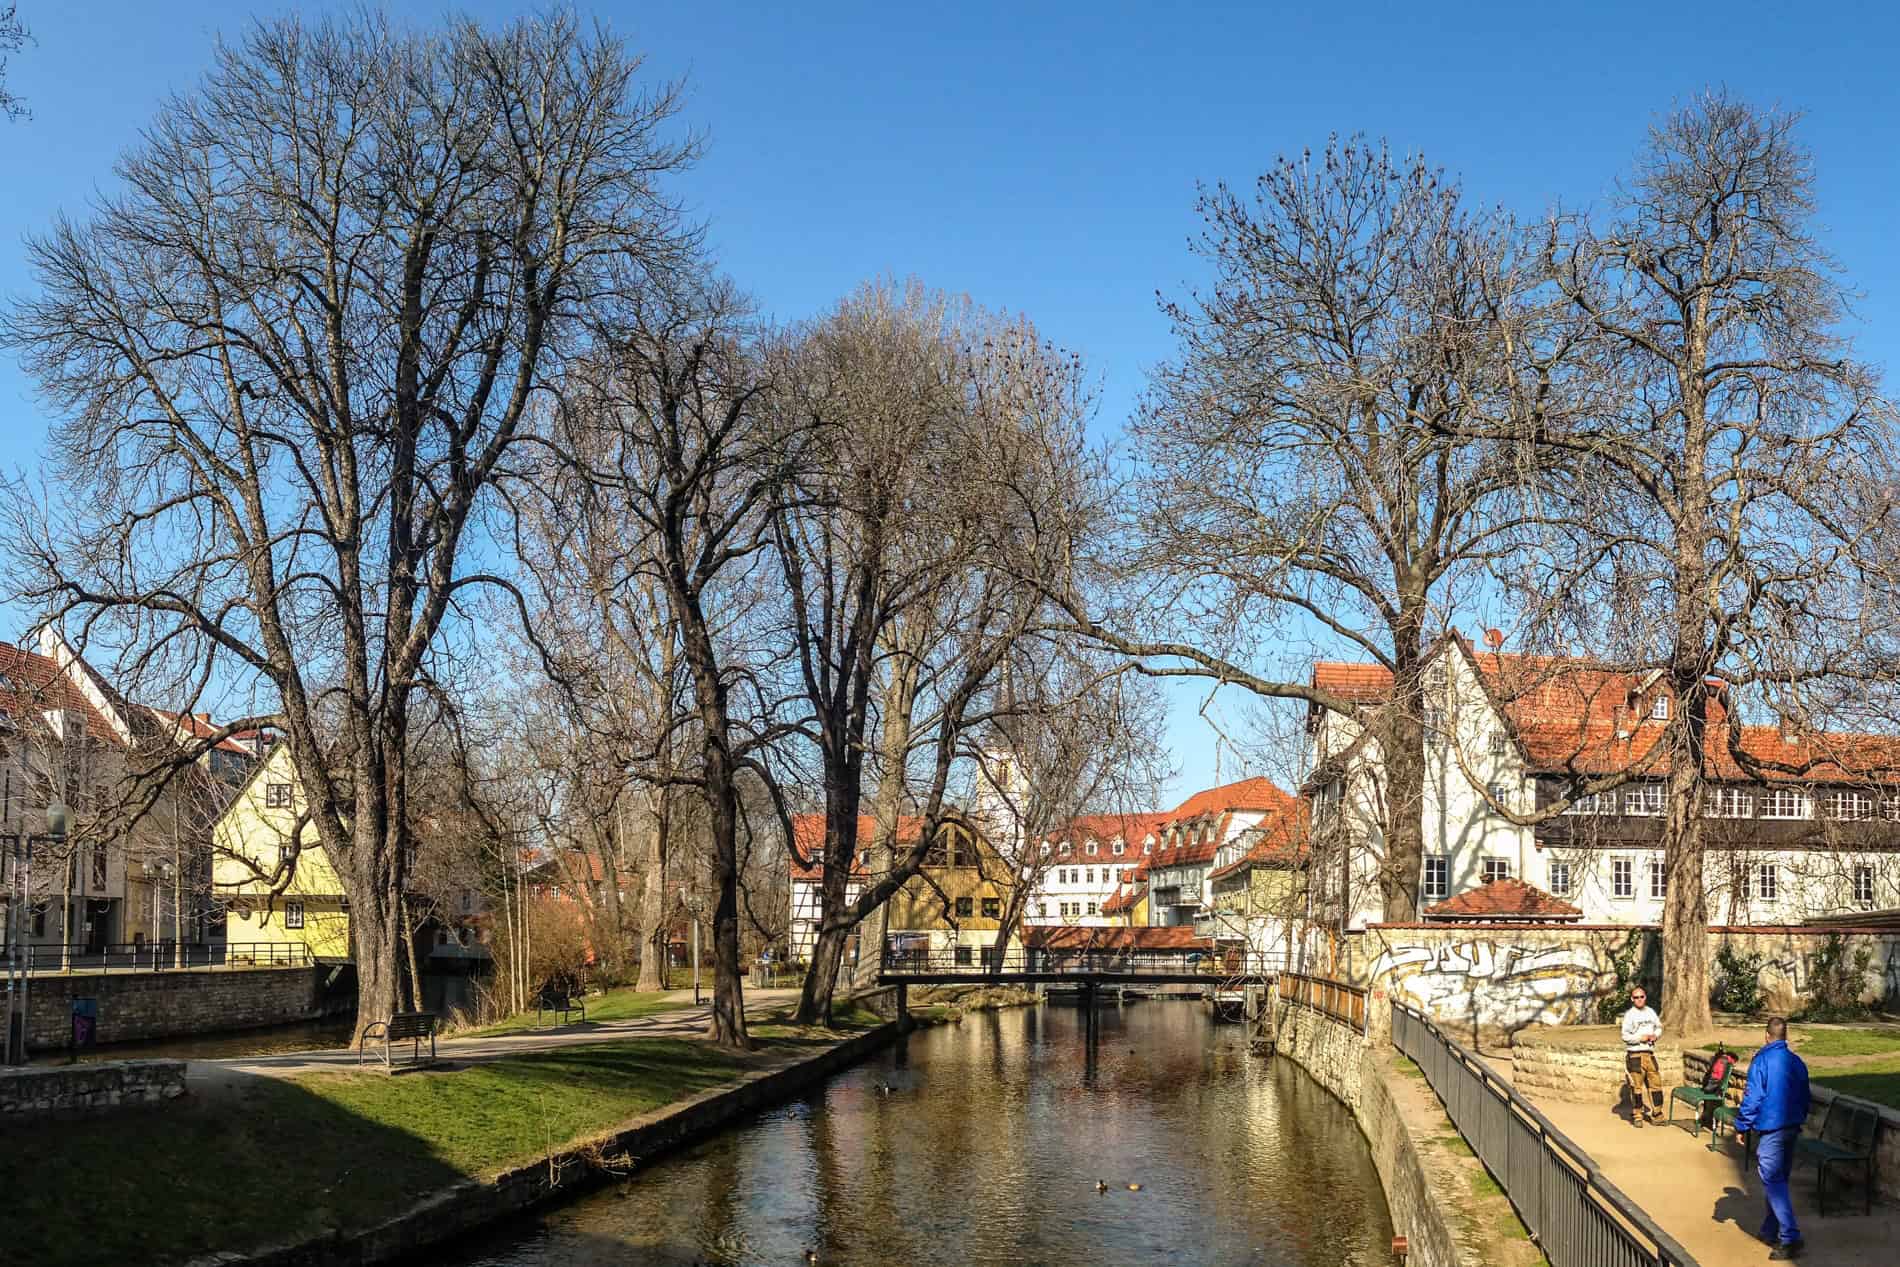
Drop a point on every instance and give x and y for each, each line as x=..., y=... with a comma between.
x=1084, y=865
x=1514, y=732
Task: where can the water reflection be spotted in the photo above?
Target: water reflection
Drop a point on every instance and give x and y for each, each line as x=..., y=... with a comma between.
x=275, y=1040
x=988, y=1150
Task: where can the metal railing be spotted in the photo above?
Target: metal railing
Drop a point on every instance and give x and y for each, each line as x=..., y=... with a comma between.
x=1577, y=1217
x=1344, y=1003
x=975, y=961
x=162, y=956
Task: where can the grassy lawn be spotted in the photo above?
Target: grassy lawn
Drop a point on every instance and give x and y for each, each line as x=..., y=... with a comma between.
x=1847, y=1042
x=273, y=1160
x=623, y=1004
x=1876, y=1080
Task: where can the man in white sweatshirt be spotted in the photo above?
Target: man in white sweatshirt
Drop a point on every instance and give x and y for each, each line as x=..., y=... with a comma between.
x=1641, y=1028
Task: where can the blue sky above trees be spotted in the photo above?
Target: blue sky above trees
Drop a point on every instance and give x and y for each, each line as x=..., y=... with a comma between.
x=1044, y=158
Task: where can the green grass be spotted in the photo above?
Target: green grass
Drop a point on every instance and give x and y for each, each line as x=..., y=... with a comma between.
x=624, y=1004
x=1876, y=1080
x=1406, y=1066
x=1847, y=1042
x=276, y=1160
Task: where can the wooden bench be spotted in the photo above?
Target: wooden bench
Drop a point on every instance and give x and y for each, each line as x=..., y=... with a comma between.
x=557, y=999
x=1695, y=1097
x=414, y=1026
x=1846, y=1139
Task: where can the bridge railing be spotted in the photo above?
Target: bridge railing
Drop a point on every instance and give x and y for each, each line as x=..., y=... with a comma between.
x=157, y=956
x=1344, y=1003
x=975, y=961
x=1578, y=1217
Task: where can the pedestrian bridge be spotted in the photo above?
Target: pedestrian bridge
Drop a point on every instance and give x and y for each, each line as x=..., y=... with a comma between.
x=1216, y=969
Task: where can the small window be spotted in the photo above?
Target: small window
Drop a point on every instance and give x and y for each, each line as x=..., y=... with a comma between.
x=992, y=908
x=1120, y=848
x=1495, y=869
x=864, y=857
x=1849, y=807
x=963, y=956
x=1437, y=886
x=1658, y=881
x=1501, y=793
x=1090, y=849
x=1499, y=744
x=468, y=902
x=1787, y=803
x=277, y=796
x=1091, y=876
x=1042, y=910
x=39, y=919
x=1147, y=846
x=1864, y=886
x=965, y=907
x=1066, y=849
x=1767, y=881
x=99, y=867
x=1560, y=879
x=1890, y=808
x=1659, y=708
x=1091, y=908
x=1622, y=878
x=1434, y=725
x=293, y=914
x=1645, y=800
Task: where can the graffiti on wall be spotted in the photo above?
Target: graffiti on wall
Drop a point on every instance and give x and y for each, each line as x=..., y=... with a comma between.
x=1492, y=982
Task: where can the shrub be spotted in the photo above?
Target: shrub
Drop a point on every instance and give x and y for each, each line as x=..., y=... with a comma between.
x=1836, y=980
x=1629, y=974
x=1737, y=984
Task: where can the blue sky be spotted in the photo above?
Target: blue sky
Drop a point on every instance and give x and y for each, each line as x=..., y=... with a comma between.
x=1043, y=158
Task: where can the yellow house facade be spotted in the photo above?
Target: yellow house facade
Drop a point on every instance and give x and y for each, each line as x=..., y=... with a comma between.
x=249, y=843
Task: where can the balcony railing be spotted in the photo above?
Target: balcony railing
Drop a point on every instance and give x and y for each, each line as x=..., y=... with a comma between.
x=160, y=956
x=1344, y=1003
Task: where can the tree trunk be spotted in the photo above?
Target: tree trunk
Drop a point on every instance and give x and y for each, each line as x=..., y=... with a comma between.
x=821, y=975
x=653, y=904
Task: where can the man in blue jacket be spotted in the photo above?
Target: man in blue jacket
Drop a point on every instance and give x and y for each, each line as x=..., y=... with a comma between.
x=1774, y=1107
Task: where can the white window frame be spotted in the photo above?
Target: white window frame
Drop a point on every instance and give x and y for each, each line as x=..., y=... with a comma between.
x=1643, y=800
x=1659, y=708
x=1494, y=867
x=1623, y=879
x=1767, y=886
x=1787, y=804
x=1728, y=802
x=1658, y=880
x=1089, y=849
x=1442, y=890
x=1121, y=847
x=1499, y=744
x=293, y=914
x=1562, y=879
x=1890, y=808
x=1864, y=892
x=1502, y=793
x=1846, y=805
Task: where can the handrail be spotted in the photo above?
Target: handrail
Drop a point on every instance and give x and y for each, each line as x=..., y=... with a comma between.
x=1325, y=995
x=976, y=962
x=1577, y=1216
x=160, y=956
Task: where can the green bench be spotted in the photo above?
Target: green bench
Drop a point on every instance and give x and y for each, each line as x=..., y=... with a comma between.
x=1846, y=1139
x=1695, y=1097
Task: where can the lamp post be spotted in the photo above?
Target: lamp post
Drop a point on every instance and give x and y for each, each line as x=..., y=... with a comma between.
x=692, y=910
x=19, y=902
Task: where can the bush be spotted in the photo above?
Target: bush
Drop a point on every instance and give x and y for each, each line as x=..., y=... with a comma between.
x=1836, y=981
x=1629, y=975
x=1737, y=984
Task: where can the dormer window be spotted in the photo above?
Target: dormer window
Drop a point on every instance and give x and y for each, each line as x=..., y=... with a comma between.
x=1659, y=708
x=1090, y=849
x=1067, y=849
x=1120, y=848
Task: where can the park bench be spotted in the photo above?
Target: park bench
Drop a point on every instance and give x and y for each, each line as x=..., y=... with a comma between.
x=413, y=1026
x=1846, y=1139
x=1693, y=1095
x=560, y=1000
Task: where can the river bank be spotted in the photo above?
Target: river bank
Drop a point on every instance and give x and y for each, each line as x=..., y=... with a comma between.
x=359, y=1168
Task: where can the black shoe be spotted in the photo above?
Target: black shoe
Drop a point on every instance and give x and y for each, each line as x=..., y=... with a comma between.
x=1786, y=1251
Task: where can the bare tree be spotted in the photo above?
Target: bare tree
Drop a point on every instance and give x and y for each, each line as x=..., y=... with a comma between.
x=295, y=355
x=1297, y=477
x=13, y=37
x=1743, y=465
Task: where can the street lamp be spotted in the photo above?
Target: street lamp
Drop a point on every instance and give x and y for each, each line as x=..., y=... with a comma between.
x=692, y=909
x=19, y=900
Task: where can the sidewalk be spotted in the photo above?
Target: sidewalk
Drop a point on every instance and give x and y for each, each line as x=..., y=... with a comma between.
x=1704, y=1200
x=685, y=1022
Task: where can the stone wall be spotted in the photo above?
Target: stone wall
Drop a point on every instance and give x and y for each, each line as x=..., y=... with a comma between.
x=1886, y=1138
x=1488, y=980
x=141, y=1005
x=88, y=1087
x=1561, y=1067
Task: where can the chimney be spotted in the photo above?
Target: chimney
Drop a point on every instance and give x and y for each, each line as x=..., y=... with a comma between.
x=1494, y=638
x=1790, y=729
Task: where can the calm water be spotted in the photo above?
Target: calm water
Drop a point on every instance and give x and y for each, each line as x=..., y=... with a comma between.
x=988, y=1151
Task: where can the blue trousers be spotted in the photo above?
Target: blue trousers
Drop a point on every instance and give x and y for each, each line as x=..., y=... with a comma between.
x=1774, y=1159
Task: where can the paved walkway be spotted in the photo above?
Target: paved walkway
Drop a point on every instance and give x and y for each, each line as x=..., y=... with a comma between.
x=1704, y=1200
x=684, y=1022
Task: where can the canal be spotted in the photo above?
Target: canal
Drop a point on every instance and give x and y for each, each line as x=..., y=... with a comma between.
x=988, y=1149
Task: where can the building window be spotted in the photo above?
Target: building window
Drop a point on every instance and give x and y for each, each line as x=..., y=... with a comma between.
x=1767, y=881
x=1121, y=847
x=965, y=907
x=1849, y=807
x=1437, y=885
x=1645, y=800
x=1728, y=802
x=1622, y=878
x=1090, y=849
x=1042, y=910
x=963, y=956
x=468, y=902
x=1593, y=803
x=39, y=919
x=1091, y=876
x=1066, y=849
x=1434, y=725
x=277, y=796
x=1659, y=708
x=1560, y=879
x=1890, y=808
x=1501, y=793
x=99, y=867
x=293, y=914
x=1658, y=881
x=1147, y=846
x=1787, y=802
x=1499, y=743
x=1091, y=908
x=1864, y=885
x=1496, y=869
x=992, y=908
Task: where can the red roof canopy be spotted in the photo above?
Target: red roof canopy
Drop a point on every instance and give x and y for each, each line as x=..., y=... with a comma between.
x=1505, y=899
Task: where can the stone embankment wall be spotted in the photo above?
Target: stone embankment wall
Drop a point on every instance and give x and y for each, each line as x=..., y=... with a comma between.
x=1493, y=980
x=1564, y=1069
x=89, y=1087
x=142, y=1005
x=1421, y=1199
x=1886, y=1139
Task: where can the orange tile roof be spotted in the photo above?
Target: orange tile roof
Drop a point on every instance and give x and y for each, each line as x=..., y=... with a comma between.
x=1283, y=840
x=1361, y=682
x=808, y=830
x=1076, y=937
x=31, y=684
x=200, y=726
x=1505, y=899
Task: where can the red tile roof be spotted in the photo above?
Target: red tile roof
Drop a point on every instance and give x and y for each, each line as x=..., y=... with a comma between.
x=1283, y=841
x=808, y=831
x=1505, y=899
x=31, y=684
x=200, y=726
x=1074, y=937
x=1365, y=683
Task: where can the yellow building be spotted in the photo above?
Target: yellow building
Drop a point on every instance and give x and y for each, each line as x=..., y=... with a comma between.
x=1259, y=885
x=249, y=843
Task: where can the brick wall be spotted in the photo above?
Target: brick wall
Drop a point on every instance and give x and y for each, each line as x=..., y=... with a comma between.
x=141, y=1005
x=89, y=1087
